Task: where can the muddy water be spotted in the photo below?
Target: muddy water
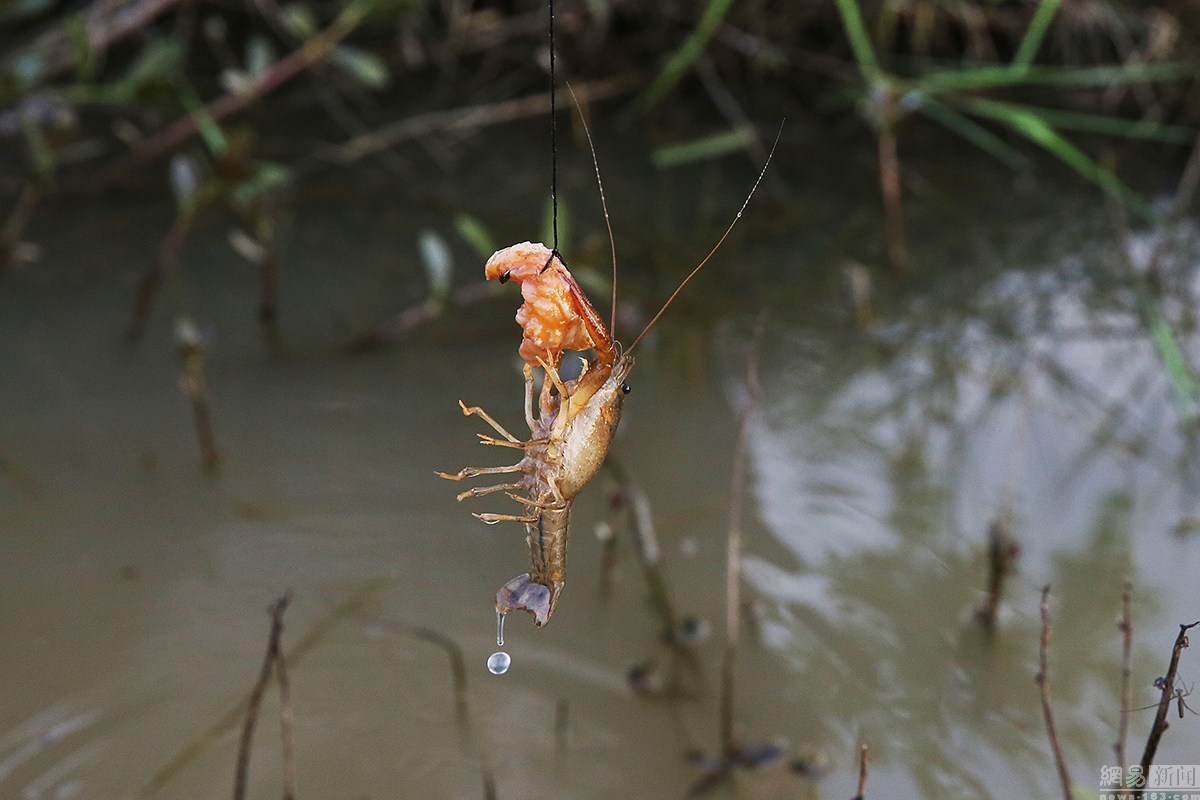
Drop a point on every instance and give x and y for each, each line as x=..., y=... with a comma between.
x=133, y=589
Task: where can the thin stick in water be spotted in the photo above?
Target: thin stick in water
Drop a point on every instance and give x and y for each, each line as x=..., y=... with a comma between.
x=862, y=773
x=1166, y=685
x=1126, y=628
x=287, y=724
x=1043, y=683
x=733, y=553
x=242, y=771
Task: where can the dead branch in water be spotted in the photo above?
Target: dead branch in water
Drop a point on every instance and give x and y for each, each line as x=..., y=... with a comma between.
x=352, y=605
x=733, y=552
x=458, y=672
x=1043, y=683
x=194, y=385
x=246, y=744
x=1126, y=627
x=1166, y=685
x=862, y=773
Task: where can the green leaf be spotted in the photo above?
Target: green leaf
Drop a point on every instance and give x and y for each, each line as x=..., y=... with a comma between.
x=473, y=232
x=299, y=20
x=210, y=131
x=366, y=67
x=1038, y=131
x=685, y=56
x=860, y=41
x=267, y=176
x=81, y=46
x=953, y=80
x=705, y=148
x=973, y=132
x=439, y=264
x=1034, y=36
x=1096, y=123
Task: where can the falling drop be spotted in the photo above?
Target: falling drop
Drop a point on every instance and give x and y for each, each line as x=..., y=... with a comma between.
x=500, y=628
x=498, y=663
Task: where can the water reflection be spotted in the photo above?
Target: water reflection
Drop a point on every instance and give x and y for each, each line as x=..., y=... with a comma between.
x=880, y=462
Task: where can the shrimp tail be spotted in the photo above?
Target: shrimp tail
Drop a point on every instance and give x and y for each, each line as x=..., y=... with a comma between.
x=522, y=593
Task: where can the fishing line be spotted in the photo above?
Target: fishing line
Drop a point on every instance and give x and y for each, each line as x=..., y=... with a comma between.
x=553, y=141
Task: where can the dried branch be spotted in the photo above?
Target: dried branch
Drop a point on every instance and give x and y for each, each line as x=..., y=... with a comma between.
x=1166, y=685
x=287, y=724
x=104, y=23
x=733, y=551
x=282, y=71
x=862, y=773
x=1126, y=627
x=1044, y=684
x=194, y=385
x=256, y=695
x=467, y=118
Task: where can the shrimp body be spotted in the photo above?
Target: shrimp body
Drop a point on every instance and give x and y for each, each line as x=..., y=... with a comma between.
x=575, y=425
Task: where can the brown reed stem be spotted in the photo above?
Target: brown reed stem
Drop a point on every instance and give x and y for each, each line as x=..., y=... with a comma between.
x=893, y=204
x=862, y=773
x=287, y=723
x=733, y=552
x=1126, y=627
x=194, y=385
x=1043, y=683
x=1167, y=687
x=254, y=704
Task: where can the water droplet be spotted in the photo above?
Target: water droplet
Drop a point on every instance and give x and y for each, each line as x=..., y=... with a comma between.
x=490, y=521
x=499, y=628
x=498, y=663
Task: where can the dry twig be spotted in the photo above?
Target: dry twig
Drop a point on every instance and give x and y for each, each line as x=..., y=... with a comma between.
x=862, y=773
x=1166, y=685
x=255, y=702
x=1126, y=628
x=733, y=552
x=1043, y=683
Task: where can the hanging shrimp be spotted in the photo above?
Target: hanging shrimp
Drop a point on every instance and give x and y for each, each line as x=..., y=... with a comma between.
x=577, y=419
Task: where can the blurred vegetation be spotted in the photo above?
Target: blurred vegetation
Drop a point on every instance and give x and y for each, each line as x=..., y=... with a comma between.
x=244, y=100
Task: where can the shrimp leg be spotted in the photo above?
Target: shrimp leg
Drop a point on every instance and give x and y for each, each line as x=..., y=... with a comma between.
x=479, y=412
x=492, y=519
x=471, y=472
x=480, y=491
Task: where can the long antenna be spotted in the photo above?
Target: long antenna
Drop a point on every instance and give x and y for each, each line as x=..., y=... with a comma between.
x=716, y=247
x=612, y=242
x=553, y=136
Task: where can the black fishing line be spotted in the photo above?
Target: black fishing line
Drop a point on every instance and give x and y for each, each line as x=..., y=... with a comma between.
x=553, y=144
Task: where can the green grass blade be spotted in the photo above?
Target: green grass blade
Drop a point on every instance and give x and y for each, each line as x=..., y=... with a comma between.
x=685, y=56
x=1033, y=38
x=1096, y=123
x=1067, y=77
x=1183, y=383
x=705, y=148
x=974, y=133
x=860, y=41
x=1038, y=131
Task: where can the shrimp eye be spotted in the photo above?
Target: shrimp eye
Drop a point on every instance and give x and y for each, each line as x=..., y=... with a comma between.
x=626, y=388
x=504, y=276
